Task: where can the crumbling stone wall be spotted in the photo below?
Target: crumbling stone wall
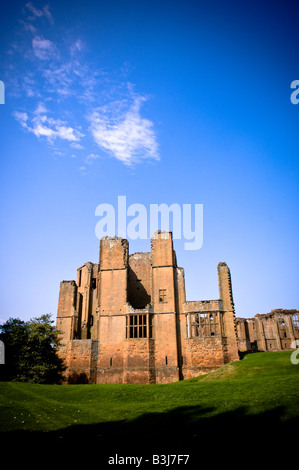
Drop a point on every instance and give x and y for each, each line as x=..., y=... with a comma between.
x=272, y=331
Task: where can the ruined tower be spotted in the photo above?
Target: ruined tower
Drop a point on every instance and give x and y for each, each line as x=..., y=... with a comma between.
x=126, y=319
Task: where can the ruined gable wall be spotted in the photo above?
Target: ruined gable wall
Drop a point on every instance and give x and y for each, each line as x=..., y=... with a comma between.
x=272, y=331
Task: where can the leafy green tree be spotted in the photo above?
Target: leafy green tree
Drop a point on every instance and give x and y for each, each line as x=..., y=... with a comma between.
x=31, y=351
x=14, y=335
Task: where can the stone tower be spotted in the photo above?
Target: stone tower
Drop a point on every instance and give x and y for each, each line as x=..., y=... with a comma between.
x=126, y=319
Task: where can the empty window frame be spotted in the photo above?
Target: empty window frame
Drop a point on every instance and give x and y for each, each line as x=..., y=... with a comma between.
x=296, y=321
x=139, y=326
x=202, y=324
x=281, y=320
x=282, y=326
x=162, y=295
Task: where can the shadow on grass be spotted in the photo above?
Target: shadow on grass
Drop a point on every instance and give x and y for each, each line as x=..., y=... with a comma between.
x=184, y=430
x=242, y=354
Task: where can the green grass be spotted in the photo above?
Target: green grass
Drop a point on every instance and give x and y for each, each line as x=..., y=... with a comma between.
x=262, y=390
x=259, y=382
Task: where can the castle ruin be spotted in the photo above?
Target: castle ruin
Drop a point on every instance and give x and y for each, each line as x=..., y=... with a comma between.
x=126, y=320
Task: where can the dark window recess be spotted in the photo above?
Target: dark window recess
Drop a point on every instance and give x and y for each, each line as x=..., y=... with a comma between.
x=166, y=360
x=138, y=295
x=93, y=283
x=110, y=361
x=162, y=295
x=79, y=281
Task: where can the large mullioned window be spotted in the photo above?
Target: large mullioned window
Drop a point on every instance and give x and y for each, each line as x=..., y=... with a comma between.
x=202, y=324
x=139, y=326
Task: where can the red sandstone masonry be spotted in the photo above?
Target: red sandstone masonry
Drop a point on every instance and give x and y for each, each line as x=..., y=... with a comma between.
x=94, y=315
x=272, y=331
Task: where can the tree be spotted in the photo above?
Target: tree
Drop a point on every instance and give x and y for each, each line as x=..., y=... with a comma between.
x=14, y=335
x=31, y=351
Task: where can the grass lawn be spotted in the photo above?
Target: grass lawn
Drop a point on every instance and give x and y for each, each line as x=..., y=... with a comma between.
x=259, y=394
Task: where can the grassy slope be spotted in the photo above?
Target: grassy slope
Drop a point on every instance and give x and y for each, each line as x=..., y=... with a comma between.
x=260, y=383
x=235, y=415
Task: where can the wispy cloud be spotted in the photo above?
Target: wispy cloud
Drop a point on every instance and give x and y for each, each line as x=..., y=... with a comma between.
x=21, y=117
x=43, y=49
x=77, y=146
x=69, y=77
x=42, y=125
x=91, y=158
x=36, y=13
x=76, y=46
x=119, y=129
x=67, y=98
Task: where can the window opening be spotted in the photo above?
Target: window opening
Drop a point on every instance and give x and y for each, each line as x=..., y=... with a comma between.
x=162, y=295
x=139, y=326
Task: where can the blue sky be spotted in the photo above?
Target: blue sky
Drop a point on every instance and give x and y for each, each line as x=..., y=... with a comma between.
x=183, y=102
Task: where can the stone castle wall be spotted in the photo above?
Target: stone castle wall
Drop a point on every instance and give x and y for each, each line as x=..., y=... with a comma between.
x=272, y=331
x=126, y=319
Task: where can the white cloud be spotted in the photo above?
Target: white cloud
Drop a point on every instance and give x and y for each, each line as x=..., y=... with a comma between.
x=68, y=133
x=43, y=126
x=77, y=146
x=61, y=78
x=22, y=118
x=43, y=49
x=41, y=109
x=120, y=130
x=72, y=77
x=63, y=82
x=41, y=130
